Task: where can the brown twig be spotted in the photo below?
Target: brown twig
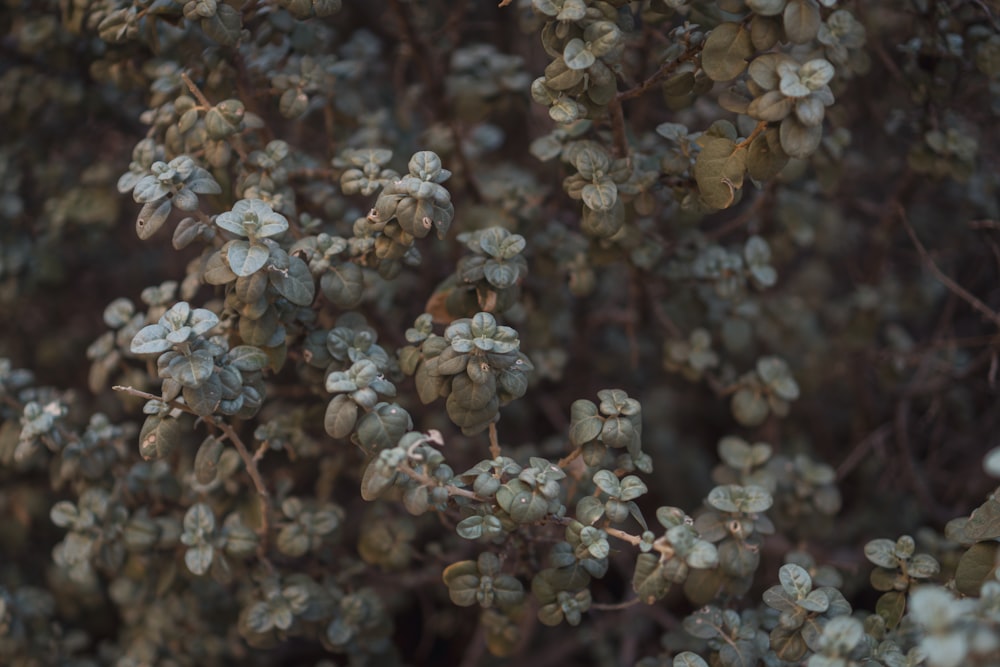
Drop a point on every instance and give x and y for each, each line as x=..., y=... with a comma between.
x=427, y=480
x=665, y=70
x=618, y=606
x=494, y=441
x=942, y=277
x=618, y=127
x=755, y=207
x=248, y=460
x=989, y=14
x=860, y=450
x=761, y=126
x=237, y=142
x=569, y=458
x=984, y=224
x=196, y=91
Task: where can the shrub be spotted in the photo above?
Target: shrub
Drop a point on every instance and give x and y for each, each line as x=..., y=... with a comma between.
x=667, y=324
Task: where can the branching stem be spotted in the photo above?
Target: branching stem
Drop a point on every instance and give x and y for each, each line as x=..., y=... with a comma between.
x=248, y=460
x=761, y=126
x=943, y=278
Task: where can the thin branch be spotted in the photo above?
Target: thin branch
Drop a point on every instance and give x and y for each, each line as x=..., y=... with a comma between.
x=860, y=450
x=661, y=545
x=989, y=15
x=248, y=460
x=262, y=493
x=569, y=458
x=618, y=606
x=463, y=160
x=666, y=69
x=942, y=277
x=418, y=48
x=237, y=142
x=427, y=480
x=984, y=224
x=761, y=126
x=494, y=441
x=618, y=127
x=196, y=91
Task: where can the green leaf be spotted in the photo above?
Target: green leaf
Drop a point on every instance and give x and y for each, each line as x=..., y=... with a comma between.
x=294, y=283
x=585, y=429
x=293, y=540
x=259, y=331
x=984, y=523
x=191, y=370
x=199, y=558
x=453, y=360
x=647, y=580
x=891, y=606
x=341, y=416
x=206, y=461
x=798, y=140
x=776, y=597
x=199, y=520
x=576, y=55
x=764, y=32
x=603, y=38
x=158, y=437
x=151, y=339
x=217, y=272
x=738, y=558
x=688, y=659
x=772, y=106
x=525, y=506
x=725, y=498
x=225, y=27
x=471, y=420
x=607, y=482
x=375, y=480
x=471, y=395
x=801, y=20
x=566, y=110
x=247, y=358
x=470, y=528
x=588, y=510
x=816, y=602
x=702, y=555
x=719, y=170
x=765, y=157
x=64, y=514
x=600, y=196
x=705, y=623
x=726, y=51
x=755, y=499
x=787, y=644
x=205, y=398
x=923, y=566
x=343, y=285
x=500, y=274
x=246, y=258
x=151, y=218
x=618, y=432
x=572, y=10
x=882, y=552
x=749, y=407
x=843, y=633
x=976, y=566
x=293, y=103
x=383, y=427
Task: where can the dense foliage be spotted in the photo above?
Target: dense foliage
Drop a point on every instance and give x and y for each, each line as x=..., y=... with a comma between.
x=653, y=333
